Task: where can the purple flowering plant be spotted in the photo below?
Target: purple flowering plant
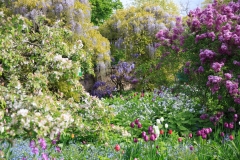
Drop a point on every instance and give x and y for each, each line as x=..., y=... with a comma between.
x=208, y=49
x=44, y=149
x=123, y=74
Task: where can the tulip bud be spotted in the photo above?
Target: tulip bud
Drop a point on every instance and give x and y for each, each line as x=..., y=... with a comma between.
x=146, y=138
x=179, y=139
x=144, y=134
x=117, y=147
x=132, y=125
x=158, y=121
x=222, y=134
x=231, y=137
x=166, y=125
x=190, y=135
x=136, y=121
x=161, y=119
x=139, y=125
x=152, y=137
x=191, y=148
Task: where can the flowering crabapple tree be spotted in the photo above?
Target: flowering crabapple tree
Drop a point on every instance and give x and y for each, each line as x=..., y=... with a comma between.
x=209, y=46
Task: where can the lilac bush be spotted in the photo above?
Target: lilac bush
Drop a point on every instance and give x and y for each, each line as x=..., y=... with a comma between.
x=210, y=42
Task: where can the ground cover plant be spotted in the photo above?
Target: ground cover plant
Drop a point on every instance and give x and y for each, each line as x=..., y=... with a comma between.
x=45, y=112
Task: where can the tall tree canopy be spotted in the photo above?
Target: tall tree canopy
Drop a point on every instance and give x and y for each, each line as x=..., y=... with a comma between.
x=103, y=9
x=131, y=33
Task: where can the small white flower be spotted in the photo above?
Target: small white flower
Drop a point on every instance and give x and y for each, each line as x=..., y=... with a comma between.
x=57, y=58
x=1, y=14
x=23, y=112
x=37, y=114
x=49, y=118
x=1, y=114
x=18, y=86
x=166, y=125
x=1, y=128
x=158, y=121
x=42, y=123
x=161, y=119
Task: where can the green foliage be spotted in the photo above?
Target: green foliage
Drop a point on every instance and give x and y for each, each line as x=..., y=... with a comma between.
x=103, y=9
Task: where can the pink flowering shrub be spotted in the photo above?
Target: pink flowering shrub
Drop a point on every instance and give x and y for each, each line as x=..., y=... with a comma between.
x=210, y=44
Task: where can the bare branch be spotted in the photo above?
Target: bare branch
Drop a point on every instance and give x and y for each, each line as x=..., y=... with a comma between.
x=184, y=7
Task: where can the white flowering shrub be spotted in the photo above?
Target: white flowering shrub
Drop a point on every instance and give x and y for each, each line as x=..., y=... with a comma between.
x=40, y=92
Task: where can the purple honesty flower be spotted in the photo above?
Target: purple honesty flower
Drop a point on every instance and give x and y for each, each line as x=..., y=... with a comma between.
x=32, y=144
x=44, y=156
x=58, y=136
x=54, y=142
x=58, y=149
x=42, y=143
x=35, y=150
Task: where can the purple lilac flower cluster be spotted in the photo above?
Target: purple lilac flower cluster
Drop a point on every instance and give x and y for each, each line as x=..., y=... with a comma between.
x=175, y=39
x=214, y=83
